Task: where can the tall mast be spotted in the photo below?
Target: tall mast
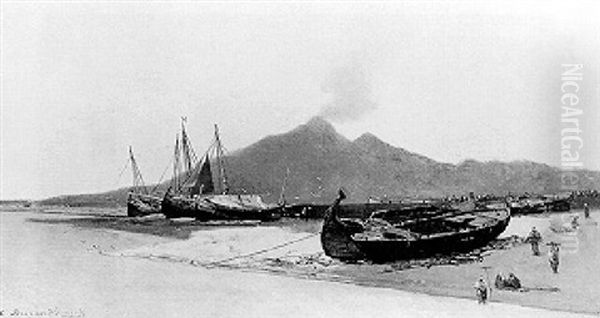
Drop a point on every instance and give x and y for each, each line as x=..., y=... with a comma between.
x=176, y=166
x=138, y=181
x=189, y=157
x=283, y=186
x=219, y=154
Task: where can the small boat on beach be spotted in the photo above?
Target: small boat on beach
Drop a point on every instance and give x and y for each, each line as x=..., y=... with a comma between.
x=557, y=202
x=140, y=202
x=527, y=205
x=403, y=235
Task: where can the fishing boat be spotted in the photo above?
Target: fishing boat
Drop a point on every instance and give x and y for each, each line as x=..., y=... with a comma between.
x=198, y=193
x=140, y=201
x=557, y=203
x=409, y=234
x=489, y=202
x=141, y=204
x=527, y=205
x=560, y=205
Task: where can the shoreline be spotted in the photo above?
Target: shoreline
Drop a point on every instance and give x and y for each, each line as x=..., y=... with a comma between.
x=373, y=275
x=349, y=281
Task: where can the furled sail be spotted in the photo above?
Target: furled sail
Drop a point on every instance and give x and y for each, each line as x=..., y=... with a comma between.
x=204, y=182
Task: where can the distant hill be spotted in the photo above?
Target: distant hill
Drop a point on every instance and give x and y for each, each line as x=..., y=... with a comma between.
x=320, y=161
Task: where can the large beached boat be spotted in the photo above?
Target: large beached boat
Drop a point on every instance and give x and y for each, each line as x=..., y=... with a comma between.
x=408, y=233
x=199, y=194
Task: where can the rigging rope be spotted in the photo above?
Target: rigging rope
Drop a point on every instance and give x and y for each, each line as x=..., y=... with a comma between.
x=122, y=170
x=197, y=166
x=161, y=177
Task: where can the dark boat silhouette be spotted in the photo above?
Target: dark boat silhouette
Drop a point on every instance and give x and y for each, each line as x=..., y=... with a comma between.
x=402, y=234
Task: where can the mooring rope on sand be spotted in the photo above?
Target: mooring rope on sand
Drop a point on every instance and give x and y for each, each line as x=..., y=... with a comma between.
x=216, y=263
x=212, y=263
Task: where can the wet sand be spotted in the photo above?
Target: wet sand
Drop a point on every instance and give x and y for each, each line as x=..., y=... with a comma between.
x=102, y=271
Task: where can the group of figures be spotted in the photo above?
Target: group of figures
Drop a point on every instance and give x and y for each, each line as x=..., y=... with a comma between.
x=535, y=238
x=482, y=290
x=512, y=282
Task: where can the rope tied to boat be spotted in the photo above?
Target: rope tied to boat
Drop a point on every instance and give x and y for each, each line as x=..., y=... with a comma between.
x=213, y=263
x=248, y=255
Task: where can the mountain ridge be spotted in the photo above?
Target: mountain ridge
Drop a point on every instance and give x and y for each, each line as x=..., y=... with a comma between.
x=321, y=160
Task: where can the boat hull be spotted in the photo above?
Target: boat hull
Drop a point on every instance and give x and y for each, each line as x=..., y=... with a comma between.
x=139, y=204
x=243, y=207
x=182, y=207
x=560, y=206
x=336, y=238
x=445, y=232
x=515, y=210
x=205, y=208
x=389, y=250
x=225, y=213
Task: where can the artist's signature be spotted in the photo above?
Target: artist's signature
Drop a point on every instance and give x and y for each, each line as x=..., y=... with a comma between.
x=49, y=312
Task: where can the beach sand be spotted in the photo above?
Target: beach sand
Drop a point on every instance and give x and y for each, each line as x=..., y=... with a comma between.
x=75, y=267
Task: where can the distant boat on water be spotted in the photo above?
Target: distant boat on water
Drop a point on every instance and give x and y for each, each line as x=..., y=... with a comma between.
x=407, y=234
x=197, y=193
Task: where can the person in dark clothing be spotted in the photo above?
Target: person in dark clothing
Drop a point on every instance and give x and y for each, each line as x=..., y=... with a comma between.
x=553, y=257
x=481, y=290
x=586, y=210
x=534, y=238
x=513, y=282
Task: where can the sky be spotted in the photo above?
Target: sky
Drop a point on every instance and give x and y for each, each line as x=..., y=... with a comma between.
x=82, y=81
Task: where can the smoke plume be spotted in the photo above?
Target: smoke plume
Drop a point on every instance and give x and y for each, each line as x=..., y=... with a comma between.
x=350, y=92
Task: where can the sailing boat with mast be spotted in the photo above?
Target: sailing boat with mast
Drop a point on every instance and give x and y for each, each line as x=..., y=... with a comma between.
x=196, y=193
x=180, y=199
x=140, y=201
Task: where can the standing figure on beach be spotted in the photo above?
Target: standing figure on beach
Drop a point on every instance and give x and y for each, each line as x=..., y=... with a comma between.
x=534, y=238
x=481, y=290
x=553, y=257
x=586, y=210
